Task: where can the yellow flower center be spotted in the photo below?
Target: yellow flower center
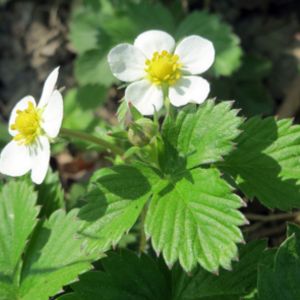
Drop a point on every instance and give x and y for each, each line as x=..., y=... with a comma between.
x=163, y=68
x=28, y=124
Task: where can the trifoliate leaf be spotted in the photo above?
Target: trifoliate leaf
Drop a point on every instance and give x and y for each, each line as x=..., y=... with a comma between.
x=281, y=281
x=194, y=218
x=226, y=43
x=36, y=260
x=205, y=134
x=115, y=200
x=130, y=277
x=266, y=162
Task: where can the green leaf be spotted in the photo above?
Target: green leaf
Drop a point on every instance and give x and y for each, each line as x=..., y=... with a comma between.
x=75, y=118
x=71, y=296
x=127, y=276
x=4, y=135
x=91, y=96
x=254, y=68
x=205, y=134
x=54, y=257
x=253, y=98
x=85, y=30
x=92, y=67
x=80, y=105
x=122, y=111
x=75, y=195
x=50, y=194
x=226, y=43
x=134, y=19
x=194, y=218
x=115, y=200
x=238, y=282
x=34, y=255
x=281, y=281
x=246, y=86
x=18, y=218
x=94, y=32
x=265, y=163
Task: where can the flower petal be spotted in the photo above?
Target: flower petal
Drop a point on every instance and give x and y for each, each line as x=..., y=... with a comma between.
x=21, y=105
x=40, y=157
x=53, y=115
x=145, y=97
x=127, y=62
x=49, y=87
x=154, y=40
x=197, y=54
x=15, y=159
x=189, y=89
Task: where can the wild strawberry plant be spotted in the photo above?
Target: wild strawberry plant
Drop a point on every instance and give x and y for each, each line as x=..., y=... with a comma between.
x=180, y=177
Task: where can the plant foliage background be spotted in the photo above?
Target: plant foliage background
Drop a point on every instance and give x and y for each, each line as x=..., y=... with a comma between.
x=102, y=228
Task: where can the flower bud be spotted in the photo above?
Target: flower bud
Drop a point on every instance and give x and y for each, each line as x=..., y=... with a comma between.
x=141, y=132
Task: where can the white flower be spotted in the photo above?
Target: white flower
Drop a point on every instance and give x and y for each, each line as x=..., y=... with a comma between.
x=154, y=64
x=32, y=127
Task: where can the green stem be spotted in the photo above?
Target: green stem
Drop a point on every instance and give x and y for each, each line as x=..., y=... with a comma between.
x=90, y=138
x=170, y=108
x=143, y=240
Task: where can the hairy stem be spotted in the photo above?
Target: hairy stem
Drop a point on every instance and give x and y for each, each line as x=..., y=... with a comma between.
x=93, y=139
x=143, y=240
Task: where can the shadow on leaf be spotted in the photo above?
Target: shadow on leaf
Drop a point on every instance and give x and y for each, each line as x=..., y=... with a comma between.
x=256, y=173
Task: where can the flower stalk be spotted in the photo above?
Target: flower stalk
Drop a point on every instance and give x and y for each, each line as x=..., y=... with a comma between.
x=143, y=238
x=93, y=139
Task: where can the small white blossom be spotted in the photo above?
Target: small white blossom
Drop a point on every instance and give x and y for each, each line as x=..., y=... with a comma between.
x=32, y=127
x=154, y=64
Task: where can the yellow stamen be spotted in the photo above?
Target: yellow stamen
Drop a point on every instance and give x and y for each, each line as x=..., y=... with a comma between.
x=163, y=68
x=27, y=124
